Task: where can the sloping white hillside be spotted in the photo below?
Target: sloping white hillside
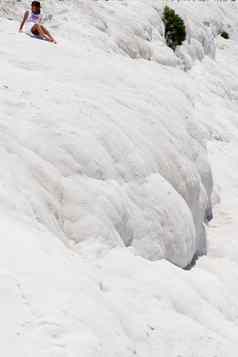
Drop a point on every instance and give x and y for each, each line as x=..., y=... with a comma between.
x=104, y=143
x=128, y=159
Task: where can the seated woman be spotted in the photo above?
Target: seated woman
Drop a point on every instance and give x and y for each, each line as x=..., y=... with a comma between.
x=33, y=23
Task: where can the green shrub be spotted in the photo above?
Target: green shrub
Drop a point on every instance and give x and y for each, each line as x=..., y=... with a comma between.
x=225, y=35
x=175, y=31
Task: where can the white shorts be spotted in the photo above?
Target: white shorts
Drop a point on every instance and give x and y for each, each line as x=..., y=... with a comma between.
x=29, y=26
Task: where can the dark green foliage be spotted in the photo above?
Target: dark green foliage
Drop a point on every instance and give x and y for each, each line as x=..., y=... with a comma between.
x=225, y=35
x=175, y=31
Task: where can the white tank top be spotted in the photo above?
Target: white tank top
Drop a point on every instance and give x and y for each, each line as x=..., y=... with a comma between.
x=36, y=18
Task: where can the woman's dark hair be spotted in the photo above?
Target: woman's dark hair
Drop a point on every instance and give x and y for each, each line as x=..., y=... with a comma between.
x=35, y=3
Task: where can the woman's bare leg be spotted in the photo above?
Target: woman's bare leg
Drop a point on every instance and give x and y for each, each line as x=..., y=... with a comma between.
x=41, y=31
x=36, y=30
x=46, y=32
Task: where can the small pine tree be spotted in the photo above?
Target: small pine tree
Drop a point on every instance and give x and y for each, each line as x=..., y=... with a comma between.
x=175, y=31
x=225, y=35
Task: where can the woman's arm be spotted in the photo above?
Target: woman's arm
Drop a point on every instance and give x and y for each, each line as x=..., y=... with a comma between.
x=24, y=20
